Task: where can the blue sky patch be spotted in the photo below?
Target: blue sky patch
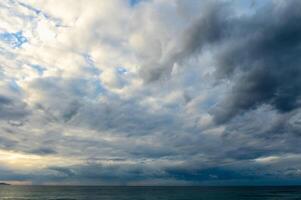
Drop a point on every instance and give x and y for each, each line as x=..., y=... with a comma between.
x=40, y=70
x=14, y=86
x=90, y=64
x=134, y=2
x=121, y=70
x=15, y=40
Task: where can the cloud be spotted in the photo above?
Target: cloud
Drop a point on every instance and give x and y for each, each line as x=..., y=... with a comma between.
x=12, y=109
x=43, y=151
x=149, y=92
x=263, y=61
x=203, y=30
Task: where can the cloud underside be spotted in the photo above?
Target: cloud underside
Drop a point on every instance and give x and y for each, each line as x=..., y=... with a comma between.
x=150, y=92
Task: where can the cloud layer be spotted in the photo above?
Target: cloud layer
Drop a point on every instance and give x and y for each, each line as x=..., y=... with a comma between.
x=150, y=92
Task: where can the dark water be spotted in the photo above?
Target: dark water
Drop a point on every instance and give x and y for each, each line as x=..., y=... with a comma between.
x=147, y=193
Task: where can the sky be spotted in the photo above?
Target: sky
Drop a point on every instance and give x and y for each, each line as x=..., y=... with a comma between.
x=150, y=92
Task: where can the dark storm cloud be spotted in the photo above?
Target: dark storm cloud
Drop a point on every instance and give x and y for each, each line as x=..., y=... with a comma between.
x=259, y=54
x=264, y=62
x=10, y=175
x=215, y=173
x=12, y=108
x=65, y=172
x=99, y=173
x=7, y=143
x=43, y=151
x=5, y=100
x=123, y=173
x=280, y=135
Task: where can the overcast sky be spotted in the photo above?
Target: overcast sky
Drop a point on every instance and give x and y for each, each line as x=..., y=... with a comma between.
x=150, y=92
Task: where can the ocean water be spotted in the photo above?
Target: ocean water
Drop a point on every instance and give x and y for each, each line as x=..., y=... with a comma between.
x=147, y=193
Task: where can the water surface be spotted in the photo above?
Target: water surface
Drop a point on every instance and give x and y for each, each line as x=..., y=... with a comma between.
x=147, y=193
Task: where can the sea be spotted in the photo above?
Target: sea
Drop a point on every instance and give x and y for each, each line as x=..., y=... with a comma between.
x=148, y=193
